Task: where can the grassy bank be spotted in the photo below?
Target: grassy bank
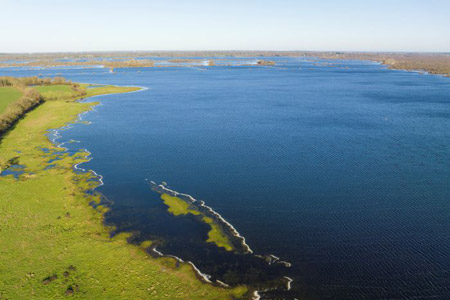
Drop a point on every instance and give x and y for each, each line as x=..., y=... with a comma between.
x=54, y=244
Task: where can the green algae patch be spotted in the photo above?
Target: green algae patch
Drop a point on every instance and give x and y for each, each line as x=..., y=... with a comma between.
x=215, y=235
x=177, y=206
x=54, y=244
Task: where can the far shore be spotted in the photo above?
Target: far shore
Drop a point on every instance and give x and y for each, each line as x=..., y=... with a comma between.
x=433, y=63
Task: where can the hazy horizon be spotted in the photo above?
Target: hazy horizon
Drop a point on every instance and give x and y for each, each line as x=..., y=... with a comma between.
x=218, y=51
x=287, y=25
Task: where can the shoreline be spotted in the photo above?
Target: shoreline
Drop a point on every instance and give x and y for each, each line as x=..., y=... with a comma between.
x=232, y=231
x=48, y=163
x=56, y=135
x=204, y=278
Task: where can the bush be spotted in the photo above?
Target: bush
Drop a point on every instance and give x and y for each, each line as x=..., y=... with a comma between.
x=79, y=90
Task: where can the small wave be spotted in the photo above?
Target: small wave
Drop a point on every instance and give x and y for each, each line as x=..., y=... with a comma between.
x=205, y=277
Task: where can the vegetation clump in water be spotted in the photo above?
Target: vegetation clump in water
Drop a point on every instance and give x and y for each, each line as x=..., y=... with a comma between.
x=216, y=235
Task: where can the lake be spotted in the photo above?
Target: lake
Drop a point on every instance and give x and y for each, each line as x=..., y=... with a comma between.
x=341, y=168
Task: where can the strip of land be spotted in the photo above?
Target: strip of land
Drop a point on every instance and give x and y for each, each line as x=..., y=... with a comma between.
x=434, y=63
x=53, y=242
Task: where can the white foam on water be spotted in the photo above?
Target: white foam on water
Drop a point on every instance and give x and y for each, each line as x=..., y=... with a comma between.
x=205, y=277
x=256, y=296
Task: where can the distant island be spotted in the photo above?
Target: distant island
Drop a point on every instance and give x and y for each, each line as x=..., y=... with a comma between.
x=265, y=63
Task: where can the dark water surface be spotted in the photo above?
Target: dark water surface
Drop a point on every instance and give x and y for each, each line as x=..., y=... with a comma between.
x=342, y=170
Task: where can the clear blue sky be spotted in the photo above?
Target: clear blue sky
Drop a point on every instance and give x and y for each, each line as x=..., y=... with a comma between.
x=95, y=25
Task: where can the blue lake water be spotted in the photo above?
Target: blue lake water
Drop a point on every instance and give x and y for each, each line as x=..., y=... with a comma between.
x=342, y=170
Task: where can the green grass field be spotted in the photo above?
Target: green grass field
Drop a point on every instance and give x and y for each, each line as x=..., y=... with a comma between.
x=53, y=244
x=56, y=92
x=7, y=96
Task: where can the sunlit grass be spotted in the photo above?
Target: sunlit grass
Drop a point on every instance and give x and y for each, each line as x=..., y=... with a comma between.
x=56, y=92
x=7, y=96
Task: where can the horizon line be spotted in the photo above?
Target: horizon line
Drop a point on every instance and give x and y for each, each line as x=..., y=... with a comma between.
x=224, y=51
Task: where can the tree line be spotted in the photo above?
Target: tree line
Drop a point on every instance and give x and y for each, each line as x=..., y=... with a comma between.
x=22, y=82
